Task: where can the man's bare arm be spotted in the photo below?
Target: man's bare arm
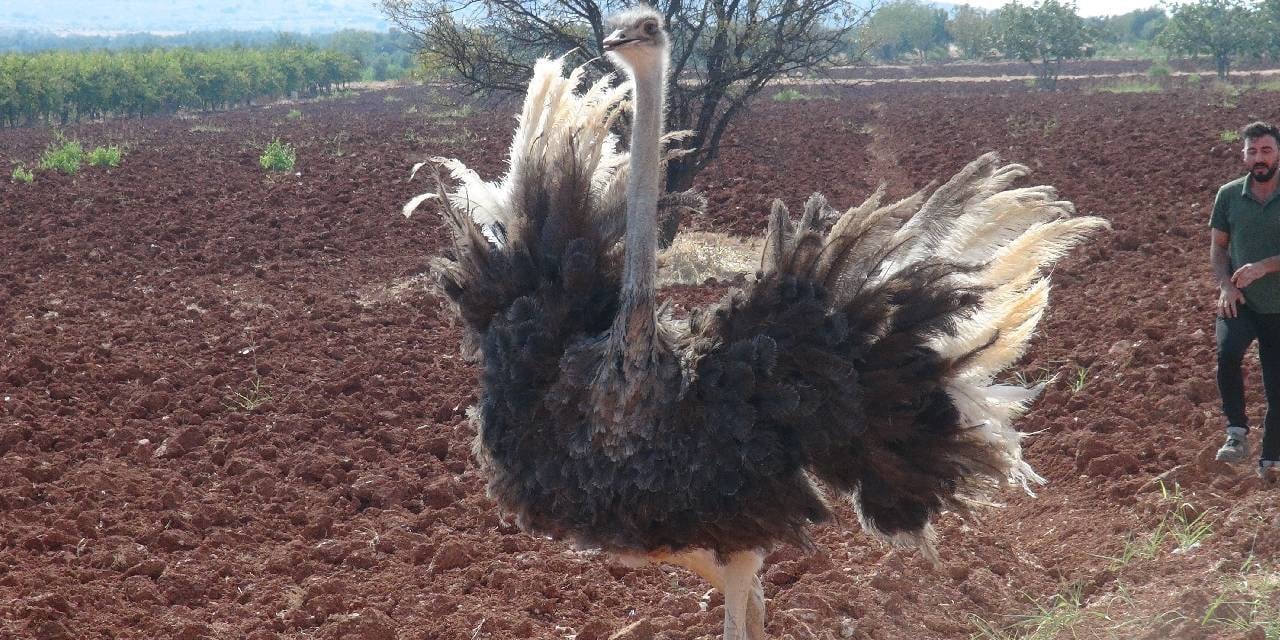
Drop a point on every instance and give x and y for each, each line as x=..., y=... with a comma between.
x=1229, y=296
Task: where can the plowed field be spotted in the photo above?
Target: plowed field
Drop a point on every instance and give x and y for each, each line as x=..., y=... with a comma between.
x=230, y=407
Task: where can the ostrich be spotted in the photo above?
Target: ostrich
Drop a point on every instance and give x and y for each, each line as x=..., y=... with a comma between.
x=858, y=365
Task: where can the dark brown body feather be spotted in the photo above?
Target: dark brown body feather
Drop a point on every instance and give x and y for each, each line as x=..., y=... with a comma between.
x=749, y=403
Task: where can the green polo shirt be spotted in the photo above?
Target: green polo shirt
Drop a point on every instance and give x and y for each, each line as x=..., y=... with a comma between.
x=1254, y=227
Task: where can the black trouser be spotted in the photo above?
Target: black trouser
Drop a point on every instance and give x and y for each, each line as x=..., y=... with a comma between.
x=1234, y=337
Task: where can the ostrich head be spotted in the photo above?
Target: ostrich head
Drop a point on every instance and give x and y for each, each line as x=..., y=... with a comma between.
x=638, y=41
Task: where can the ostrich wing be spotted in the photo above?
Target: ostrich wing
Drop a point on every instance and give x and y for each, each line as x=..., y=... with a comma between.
x=871, y=349
x=566, y=182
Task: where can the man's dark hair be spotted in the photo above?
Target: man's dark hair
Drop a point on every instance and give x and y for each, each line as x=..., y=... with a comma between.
x=1258, y=129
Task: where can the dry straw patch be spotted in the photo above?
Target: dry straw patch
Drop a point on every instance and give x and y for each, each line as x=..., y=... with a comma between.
x=695, y=257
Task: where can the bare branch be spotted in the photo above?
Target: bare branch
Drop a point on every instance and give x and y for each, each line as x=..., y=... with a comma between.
x=724, y=52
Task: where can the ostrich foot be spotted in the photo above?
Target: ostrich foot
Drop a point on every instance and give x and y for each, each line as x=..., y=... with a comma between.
x=737, y=579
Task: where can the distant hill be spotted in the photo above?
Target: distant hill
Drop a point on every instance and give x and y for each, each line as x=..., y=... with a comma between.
x=175, y=16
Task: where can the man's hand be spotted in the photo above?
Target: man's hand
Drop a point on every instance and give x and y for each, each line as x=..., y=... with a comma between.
x=1228, y=298
x=1244, y=276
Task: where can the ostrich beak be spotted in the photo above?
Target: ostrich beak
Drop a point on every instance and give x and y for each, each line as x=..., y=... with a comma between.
x=615, y=40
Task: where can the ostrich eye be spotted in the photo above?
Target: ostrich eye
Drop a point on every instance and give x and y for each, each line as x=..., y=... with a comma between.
x=651, y=28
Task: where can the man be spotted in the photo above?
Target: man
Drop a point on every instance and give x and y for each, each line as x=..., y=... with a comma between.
x=1245, y=252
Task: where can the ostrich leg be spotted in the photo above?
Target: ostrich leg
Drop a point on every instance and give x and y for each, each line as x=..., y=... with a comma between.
x=746, y=616
x=743, y=597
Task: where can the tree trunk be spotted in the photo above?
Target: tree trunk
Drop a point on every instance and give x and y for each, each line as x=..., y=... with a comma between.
x=1224, y=62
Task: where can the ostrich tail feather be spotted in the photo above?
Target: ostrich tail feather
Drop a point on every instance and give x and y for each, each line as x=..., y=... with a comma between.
x=938, y=294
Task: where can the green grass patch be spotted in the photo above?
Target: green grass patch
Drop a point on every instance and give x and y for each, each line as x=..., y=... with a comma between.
x=1229, y=135
x=1188, y=525
x=453, y=112
x=1129, y=86
x=789, y=95
x=63, y=155
x=207, y=128
x=1054, y=619
x=278, y=156
x=22, y=174
x=293, y=114
x=108, y=156
x=1141, y=547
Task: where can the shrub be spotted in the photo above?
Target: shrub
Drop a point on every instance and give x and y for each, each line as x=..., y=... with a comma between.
x=1193, y=78
x=278, y=157
x=1159, y=70
x=789, y=95
x=63, y=155
x=22, y=174
x=1129, y=86
x=293, y=114
x=105, y=156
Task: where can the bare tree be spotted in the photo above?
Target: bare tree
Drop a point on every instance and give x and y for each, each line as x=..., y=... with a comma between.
x=724, y=52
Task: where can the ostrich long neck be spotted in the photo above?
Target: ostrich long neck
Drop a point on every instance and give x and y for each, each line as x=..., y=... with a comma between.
x=626, y=395
x=643, y=187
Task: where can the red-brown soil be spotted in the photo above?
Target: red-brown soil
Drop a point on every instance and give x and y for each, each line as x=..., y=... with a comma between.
x=229, y=408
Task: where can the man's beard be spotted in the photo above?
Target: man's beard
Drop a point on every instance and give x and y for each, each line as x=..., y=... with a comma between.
x=1270, y=172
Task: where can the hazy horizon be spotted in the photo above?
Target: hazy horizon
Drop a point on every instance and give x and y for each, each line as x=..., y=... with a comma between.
x=167, y=17
x=110, y=17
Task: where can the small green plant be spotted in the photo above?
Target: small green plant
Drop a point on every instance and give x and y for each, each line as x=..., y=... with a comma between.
x=22, y=174
x=278, y=156
x=390, y=98
x=1187, y=524
x=1079, y=380
x=1144, y=548
x=464, y=111
x=105, y=156
x=1032, y=379
x=254, y=395
x=63, y=155
x=293, y=114
x=789, y=95
x=337, y=141
x=1229, y=135
x=1193, y=79
x=1159, y=70
x=1226, y=95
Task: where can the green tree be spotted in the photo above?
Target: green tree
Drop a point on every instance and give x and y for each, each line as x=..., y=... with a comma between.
x=1221, y=29
x=972, y=31
x=1043, y=34
x=905, y=26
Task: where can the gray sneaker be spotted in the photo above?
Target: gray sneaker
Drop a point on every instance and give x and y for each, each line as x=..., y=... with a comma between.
x=1236, y=448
